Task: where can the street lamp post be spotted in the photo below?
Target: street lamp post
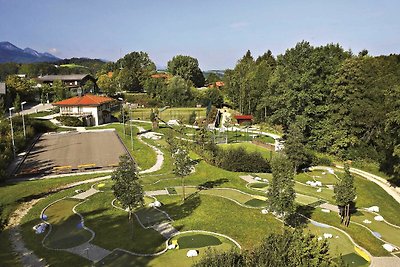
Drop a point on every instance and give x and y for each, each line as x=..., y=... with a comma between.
x=130, y=124
x=122, y=112
x=23, y=120
x=12, y=130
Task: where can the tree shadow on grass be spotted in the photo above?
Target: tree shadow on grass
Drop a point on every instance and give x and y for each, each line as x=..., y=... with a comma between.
x=212, y=184
x=178, y=210
x=395, y=182
x=112, y=231
x=300, y=218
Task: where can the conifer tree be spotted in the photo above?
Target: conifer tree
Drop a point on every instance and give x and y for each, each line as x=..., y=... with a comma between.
x=281, y=194
x=345, y=193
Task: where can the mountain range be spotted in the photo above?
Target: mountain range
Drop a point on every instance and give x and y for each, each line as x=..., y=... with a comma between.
x=12, y=53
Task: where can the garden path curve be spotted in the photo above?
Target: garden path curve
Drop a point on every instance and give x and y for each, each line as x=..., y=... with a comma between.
x=160, y=155
x=384, y=184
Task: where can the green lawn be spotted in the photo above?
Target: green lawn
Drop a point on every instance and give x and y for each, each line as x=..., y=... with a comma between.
x=169, y=114
x=326, y=193
x=175, y=257
x=250, y=147
x=66, y=226
x=11, y=194
x=388, y=233
x=70, y=66
x=317, y=175
x=108, y=221
x=305, y=200
x=359, y=234
x=370, y=194
x=216, y=214
x=209, y=209
x=339, y=244
x=34, y=241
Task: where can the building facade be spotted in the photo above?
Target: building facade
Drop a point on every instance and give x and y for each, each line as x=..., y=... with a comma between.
x=93, y=109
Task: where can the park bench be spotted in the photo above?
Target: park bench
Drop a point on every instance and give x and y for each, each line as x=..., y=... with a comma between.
x=86, y=166
x=62, y=169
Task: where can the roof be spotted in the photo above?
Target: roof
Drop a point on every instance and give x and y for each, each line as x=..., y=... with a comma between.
x=244, y=117
x=86, y=100
x=160, y=75
x=216, y=84
x=70, y=77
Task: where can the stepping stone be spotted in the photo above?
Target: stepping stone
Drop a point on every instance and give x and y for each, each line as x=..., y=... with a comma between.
x=89, y=251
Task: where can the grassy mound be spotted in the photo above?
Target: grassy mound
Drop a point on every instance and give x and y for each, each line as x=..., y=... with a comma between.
x=67, y=230
x=198, y=241
x=255, y=203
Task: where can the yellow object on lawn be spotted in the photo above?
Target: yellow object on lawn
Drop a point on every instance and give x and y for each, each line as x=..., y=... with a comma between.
x=175, y=242
x=101, y=185
x=362, y=253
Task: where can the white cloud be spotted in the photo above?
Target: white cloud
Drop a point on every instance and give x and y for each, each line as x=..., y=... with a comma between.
x=54, y=51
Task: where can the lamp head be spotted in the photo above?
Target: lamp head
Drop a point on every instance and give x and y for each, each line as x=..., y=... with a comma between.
x=10, y=109
x=23, y=103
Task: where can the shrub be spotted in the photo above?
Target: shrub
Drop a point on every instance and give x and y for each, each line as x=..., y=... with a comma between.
x=239, y=160
x=71, y=121
x=321, y=160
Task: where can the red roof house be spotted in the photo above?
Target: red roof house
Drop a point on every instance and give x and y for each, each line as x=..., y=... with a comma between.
x=95, y=110
x=244, y=118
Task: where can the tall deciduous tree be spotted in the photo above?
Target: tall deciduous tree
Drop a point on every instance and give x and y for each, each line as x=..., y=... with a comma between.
x=188, y=68
x=345, y=194
x=178, y=92
x=2, y=107
x=281, y=194
x=294, y=147
x=60, y=90
x=127, y=189
x=17, y=103
x=182, y=164
x=135, y=68
x=107, y=84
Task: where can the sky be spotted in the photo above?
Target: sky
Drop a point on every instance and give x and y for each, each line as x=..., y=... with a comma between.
x=216, y=32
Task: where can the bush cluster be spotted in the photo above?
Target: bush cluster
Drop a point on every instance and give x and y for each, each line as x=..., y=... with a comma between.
x=233, y=159
x=71, y=121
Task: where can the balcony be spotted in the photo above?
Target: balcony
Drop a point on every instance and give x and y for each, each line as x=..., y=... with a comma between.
x=75, y=114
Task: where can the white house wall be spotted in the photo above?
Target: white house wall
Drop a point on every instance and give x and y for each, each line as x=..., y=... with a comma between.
x=92, y=110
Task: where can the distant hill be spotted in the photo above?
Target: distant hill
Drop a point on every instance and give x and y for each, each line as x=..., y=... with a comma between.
x=12, y=53
x=220, y=73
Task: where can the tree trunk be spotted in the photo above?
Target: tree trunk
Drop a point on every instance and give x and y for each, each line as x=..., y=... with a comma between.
x=131, y=222
x=183, y=188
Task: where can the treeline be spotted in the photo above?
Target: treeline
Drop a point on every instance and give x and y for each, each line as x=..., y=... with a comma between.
x=176, y=87
x=33, y=70
x=288, y=249
x=344, y=104
x=32, y=127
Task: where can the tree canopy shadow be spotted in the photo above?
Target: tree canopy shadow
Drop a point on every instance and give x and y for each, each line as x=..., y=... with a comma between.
x=179, y=211
x=299, y=219
x=212, y=184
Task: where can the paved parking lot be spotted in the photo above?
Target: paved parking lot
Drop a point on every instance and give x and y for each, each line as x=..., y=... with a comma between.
x=63, y=152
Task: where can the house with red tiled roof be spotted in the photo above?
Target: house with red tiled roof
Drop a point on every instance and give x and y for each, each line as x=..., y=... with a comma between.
x=217, y=84
x=244, y=118
x=94, y=109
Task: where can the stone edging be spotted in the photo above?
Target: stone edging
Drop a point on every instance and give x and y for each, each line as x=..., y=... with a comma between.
x=345, y=233
x=50, y=226
x=391, y=224
x=207, y=232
